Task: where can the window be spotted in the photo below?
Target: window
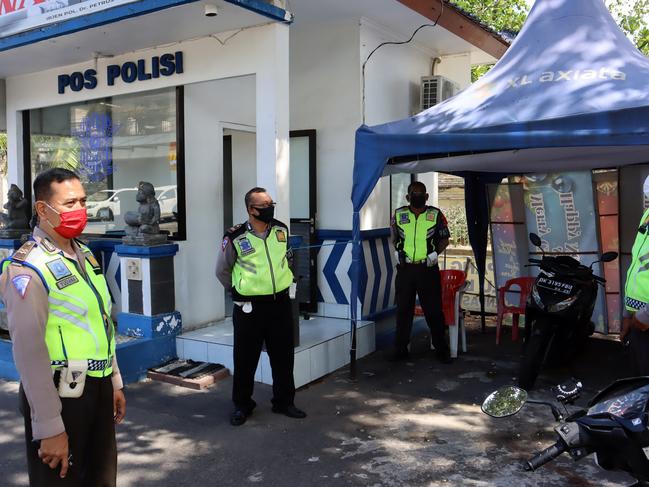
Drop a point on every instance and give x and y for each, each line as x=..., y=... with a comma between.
x=113, y=144
x=399, y=189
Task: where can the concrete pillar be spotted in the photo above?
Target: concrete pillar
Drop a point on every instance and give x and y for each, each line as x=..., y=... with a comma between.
x=272, y=99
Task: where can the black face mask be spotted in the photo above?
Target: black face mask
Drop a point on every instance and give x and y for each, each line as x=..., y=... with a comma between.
x=418, y=200
x=265, y=214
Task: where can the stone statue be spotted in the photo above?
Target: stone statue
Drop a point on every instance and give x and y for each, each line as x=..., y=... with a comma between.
x=16, y=220
x=143, y=225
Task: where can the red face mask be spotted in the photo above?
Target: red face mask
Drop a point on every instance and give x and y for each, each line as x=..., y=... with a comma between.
x=72, y=222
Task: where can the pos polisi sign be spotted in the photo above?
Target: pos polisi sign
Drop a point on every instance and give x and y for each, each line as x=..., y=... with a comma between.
x=129, y=72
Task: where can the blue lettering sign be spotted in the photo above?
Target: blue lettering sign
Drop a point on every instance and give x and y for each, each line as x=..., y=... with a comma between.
x=95, y=135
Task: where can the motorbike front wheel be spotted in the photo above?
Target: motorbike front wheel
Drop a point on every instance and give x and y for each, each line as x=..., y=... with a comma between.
x=533, y=358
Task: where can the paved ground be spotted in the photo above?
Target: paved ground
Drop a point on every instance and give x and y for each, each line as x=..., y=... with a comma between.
x=412, y=424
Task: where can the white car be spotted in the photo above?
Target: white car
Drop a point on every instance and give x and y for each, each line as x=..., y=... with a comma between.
x=168, y=200
x=105, y=204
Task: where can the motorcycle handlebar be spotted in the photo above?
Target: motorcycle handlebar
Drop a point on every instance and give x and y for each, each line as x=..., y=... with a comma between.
x=545, y=456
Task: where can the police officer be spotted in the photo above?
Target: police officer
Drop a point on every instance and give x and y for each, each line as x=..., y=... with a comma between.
x=420, y=234
x=58, y=309
x=254, y=265
x=635, y=322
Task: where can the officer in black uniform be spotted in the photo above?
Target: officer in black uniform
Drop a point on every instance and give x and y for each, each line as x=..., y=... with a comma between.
x=420, y=234
x=255, y=265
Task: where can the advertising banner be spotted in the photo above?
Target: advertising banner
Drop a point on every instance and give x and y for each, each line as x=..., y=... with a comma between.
x=561, y=210
x=22, y=15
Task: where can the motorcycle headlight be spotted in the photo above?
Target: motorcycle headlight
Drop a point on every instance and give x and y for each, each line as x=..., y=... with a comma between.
x=562, y=305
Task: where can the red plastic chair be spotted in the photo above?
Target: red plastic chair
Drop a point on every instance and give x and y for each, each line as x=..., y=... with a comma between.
x=453, y=282
x=525, y=284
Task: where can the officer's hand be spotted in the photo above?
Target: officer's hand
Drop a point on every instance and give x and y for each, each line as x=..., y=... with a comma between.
x=54, y=450
x=626, y=328
x=639, y=325
x=119, y=406
x=431, y=259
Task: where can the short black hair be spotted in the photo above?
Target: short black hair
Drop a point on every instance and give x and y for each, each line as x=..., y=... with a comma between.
x=249, y=194
x=416, y=185
x=43, y=182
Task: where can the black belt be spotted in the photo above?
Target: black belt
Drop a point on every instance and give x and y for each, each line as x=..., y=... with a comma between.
x=93, y=365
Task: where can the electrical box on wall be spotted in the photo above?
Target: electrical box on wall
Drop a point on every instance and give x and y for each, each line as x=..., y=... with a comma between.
x=434, y=90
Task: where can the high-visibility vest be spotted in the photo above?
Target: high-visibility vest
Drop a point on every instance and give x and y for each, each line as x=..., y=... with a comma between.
x=636, y=289
x=416, y=235
x=261, y=267
x=78, y=326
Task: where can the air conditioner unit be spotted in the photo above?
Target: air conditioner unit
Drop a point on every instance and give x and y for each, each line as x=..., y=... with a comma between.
x=434, y=90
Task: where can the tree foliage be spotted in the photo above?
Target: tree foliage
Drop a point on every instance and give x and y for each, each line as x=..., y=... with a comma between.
x=509, y=15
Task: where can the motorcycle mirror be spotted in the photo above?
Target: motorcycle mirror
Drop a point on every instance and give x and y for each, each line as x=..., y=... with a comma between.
x=608, y=256
x=535, y=239
x=506, y=401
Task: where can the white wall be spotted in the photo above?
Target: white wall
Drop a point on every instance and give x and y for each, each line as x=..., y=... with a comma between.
x=325, y=96
x=456, y=68
x=262, y=52
x=391, y=93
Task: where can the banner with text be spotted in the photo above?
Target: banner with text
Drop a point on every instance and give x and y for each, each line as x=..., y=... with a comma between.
x=22, y=15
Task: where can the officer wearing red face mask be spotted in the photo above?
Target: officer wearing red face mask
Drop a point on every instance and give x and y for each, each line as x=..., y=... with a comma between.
x=58, y=310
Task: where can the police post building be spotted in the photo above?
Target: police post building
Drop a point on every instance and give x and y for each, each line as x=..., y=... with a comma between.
x=205, y=100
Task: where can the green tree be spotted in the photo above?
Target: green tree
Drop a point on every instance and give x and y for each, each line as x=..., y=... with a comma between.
x=509, y=15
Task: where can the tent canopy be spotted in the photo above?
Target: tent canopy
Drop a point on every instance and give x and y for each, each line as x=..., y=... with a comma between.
x=570, y=93
x=571, y=81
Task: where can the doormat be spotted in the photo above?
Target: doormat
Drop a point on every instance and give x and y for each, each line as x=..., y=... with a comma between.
x=189, y=373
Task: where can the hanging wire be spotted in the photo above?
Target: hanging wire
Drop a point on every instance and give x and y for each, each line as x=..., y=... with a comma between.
x=394, y=43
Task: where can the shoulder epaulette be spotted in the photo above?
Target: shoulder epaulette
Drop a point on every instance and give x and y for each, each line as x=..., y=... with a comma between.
x=48, y=245
x=235, y=231
x=401, y=208
x=23, y=252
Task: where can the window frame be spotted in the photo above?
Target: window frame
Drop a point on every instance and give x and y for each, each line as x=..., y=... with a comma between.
x=181, y=234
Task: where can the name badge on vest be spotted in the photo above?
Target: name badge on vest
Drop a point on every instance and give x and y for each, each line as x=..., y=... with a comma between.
x=58, y=269
x=281, y=236
x=403, y=218
x=246, y=247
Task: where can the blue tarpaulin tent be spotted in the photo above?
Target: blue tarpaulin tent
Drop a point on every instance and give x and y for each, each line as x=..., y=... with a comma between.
x=571, y=92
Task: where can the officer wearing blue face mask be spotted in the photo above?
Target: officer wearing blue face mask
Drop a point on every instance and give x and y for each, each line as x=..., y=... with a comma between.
x=255, y=265
x=420, y=234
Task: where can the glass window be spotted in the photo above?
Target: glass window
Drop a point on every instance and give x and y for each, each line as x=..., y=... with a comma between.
x=399, y=189
x=113, y=144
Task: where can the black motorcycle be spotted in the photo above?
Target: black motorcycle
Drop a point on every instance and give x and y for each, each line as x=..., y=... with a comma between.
x=613, y=428
x=558, y=312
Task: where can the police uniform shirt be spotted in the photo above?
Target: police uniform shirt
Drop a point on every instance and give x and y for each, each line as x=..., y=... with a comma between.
x=227, y=257
x=27, y=314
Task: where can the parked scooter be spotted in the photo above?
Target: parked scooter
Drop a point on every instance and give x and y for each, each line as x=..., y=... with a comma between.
x=614, y=427
x=558, y=312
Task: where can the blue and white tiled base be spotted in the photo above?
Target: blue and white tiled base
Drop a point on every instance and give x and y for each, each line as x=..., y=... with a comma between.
x=324, y=347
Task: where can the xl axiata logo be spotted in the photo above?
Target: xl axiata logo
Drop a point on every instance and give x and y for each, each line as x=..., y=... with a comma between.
x=562, y=76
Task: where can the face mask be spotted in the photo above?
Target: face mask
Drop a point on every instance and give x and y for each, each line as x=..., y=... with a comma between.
x=265, y=214
x=418, y=200
x=645, y=187
x=72, y=222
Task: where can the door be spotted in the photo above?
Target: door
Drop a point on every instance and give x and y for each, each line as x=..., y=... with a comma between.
x=303, y=216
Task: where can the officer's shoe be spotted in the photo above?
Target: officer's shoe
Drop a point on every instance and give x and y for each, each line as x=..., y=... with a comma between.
x=238, y=417
x=444, y=357
x=290, y=411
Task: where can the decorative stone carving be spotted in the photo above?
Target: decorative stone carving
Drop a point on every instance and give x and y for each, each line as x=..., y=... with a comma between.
x=143, y=225
x=15, y=222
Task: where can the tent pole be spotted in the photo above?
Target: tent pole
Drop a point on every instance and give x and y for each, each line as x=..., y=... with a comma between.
x=356, y=250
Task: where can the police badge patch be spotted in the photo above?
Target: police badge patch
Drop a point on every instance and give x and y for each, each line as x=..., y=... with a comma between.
x=403, y=218
x=20, y=284
x=58, y=269
x=430, y=216
x=225, y=243
x=281, y=236
x=246, y=247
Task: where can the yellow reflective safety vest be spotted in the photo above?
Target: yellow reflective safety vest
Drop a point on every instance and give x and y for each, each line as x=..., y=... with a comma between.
x=636, y=289
x=262, y=265
x=416, y=235
x=78, y=326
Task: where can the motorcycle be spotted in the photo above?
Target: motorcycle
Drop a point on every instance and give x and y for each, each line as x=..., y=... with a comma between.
x=614, y=427
x=558, y=311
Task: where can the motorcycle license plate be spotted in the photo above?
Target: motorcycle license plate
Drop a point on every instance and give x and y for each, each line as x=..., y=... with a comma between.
x=554, y=285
